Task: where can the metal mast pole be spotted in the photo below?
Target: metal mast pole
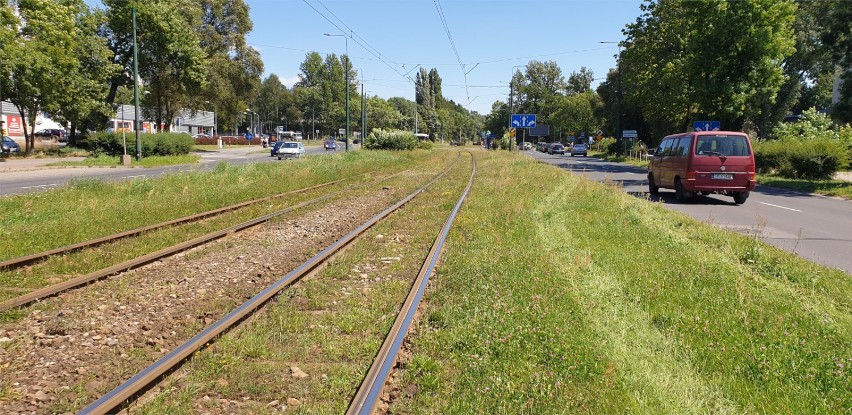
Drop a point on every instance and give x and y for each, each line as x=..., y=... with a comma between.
x=136, y=86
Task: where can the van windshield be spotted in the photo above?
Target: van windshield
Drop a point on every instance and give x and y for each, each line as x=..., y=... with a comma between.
x=722, y=145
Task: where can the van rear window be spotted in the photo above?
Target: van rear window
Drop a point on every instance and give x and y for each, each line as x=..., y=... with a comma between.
x=726, y=145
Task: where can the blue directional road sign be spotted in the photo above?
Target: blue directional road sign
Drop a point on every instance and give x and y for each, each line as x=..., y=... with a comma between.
x=706, y=126
x=523, y=121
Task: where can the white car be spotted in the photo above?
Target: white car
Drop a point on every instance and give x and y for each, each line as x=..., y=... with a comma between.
x=291, y=149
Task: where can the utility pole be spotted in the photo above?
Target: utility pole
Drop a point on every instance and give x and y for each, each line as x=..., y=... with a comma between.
x=136, y=86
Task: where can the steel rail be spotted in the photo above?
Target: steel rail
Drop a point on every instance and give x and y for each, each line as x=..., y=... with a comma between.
x=130, y=388
x=28, y=259
x=366, y=399
x=54, y=289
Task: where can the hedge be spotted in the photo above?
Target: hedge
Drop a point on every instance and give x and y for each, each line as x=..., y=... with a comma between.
x=162, y=144
x=380, y=139
x=809, y=159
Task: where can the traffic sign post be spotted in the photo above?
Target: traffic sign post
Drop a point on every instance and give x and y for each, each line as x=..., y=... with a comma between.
x=706, y=126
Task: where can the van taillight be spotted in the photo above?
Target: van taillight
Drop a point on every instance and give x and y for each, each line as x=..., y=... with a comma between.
x=751, y=175
x=690, y=175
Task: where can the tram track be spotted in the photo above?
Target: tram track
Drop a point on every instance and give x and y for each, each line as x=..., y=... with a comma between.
x=124, y=266
x=76, y=336
x=137, y=384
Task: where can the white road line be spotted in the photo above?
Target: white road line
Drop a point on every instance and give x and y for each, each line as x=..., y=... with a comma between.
x=782, y=207
x=133, y=177
x=39, y=186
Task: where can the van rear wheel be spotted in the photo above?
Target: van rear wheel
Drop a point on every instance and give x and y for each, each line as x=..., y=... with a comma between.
x=680, y=194
x=740, y=197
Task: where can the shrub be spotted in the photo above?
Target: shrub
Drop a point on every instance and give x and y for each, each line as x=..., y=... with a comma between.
x=392, y=140
x=162, y=144
x=817, y=159
x=811, y=149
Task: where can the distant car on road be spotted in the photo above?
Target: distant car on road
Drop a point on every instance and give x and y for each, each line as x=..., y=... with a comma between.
x=52, y=134
x=526, y=145
x=579, y=150
x=275, y=146
x=9, y=146
x=202, y=136
x=291, y=149
x=556, y=148
x=330, y=144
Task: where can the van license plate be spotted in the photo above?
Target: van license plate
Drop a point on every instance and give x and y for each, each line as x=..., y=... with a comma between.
x=723, y=176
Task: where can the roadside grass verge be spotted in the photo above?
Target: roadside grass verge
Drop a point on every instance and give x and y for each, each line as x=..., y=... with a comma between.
x=114, y=161
x=838, y=188
x=329, y=326
x=560, y=294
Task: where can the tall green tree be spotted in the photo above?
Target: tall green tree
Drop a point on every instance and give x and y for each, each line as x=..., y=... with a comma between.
x=837, y=16
x=576, y=113
x=679, y=68
x=38, y=56
x=233, y=68
x=580, y=82
x=171, y=60
x=544, y=82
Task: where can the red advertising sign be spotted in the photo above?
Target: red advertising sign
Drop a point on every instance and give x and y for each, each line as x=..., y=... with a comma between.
x=13, y=126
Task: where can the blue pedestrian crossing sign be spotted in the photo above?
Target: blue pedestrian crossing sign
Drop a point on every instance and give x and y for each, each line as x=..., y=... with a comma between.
x=522, y=121
x=706, y=126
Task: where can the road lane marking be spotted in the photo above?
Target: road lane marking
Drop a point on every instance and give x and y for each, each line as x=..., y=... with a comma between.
x=133, y=177
x=39, y=186
x=782, y=207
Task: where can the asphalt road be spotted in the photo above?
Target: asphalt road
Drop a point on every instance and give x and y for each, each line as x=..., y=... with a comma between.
x=40, y=179
x=815, y=227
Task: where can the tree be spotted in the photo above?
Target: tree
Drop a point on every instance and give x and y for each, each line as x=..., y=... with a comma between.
x=233, y=68
x=580, y=82
x=382, y=114
x=576, y=113
x=837, y=14
x=544, y=82
x=171, y=60
x=38, y=56
x=680, y=68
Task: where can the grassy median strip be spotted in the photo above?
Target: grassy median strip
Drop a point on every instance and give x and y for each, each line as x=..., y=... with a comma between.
x=560, y=295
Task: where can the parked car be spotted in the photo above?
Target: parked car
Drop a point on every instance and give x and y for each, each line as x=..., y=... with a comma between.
x=579, y=149
x=291, y=149
x=556, y=148
x=9, y=146
x=704, y=162
x=52, y=134
x=330, y=144
x=541, y=146
x=275, y=146
x=202, y=136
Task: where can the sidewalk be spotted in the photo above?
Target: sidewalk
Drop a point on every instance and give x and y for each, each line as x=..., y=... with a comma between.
x=27, y=164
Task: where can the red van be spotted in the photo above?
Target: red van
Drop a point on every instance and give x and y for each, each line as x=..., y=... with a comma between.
x=704, y=162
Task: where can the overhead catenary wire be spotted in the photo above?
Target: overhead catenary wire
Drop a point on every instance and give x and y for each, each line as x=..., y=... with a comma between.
x=443, y=18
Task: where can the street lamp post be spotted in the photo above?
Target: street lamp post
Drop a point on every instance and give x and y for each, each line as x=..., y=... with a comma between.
x=346, y=76
x=618, y=99
x=219, y=139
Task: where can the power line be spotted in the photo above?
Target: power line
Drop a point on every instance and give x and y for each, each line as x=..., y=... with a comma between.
x=443, y=18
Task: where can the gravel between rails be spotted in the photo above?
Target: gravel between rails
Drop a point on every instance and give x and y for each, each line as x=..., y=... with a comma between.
x=76, y=347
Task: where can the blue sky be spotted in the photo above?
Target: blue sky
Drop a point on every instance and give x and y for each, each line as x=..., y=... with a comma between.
x=497, y=34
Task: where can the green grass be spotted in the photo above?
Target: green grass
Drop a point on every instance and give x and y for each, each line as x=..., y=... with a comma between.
x=115, y=161
x=559, y=294
x=839, y=188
